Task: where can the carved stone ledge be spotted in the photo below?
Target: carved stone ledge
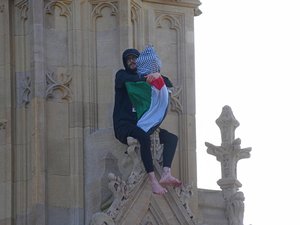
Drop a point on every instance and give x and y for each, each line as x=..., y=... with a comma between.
x=184, y=3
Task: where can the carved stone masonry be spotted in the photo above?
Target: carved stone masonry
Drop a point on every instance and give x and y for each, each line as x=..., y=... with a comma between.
x=62, y=4
x=175, y=99
x=23, y=6
x=124, y=190
x=3, y=125
x=58, y=87
x=184, y=193
x=26, y=90
x=120, y=193
x=137, y=171
x=229, y=153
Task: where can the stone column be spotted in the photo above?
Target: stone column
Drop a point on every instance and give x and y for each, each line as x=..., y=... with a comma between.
x=5, y=115
x=229, y=153
x=28, y=116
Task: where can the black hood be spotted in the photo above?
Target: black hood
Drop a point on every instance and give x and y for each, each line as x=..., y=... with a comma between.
x=126, y=53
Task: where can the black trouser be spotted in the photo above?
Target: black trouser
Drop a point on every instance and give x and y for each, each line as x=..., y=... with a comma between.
x=168, y=139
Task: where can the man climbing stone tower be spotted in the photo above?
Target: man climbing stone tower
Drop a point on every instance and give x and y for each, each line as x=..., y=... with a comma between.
x=60, y=163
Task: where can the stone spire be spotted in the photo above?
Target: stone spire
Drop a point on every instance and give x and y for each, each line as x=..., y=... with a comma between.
x=229, y=153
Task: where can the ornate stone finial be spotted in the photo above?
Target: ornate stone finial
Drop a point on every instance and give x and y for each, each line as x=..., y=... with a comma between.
x=229, y=153
x=227, y=124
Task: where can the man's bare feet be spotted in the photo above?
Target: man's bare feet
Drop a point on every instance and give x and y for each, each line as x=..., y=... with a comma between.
x=168, y=179
x=156, y=187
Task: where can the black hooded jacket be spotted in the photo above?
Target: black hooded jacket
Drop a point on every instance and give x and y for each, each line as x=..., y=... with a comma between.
x=124, y=116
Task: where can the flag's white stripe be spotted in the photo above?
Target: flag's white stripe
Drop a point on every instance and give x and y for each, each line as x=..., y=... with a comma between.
x=157, y=110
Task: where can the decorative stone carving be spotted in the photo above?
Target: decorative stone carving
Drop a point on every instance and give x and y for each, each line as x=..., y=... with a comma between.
x=173, y=20
x=3, y=125
x=26, y=90
x=58, y=87
x=157, y=148
x=166, y=21
x=97, y=11
x=138, y=170
x=184, y=193
x=235, y=209
x=229, y=153
x=101, y=218
x=175, y=99
x=135, y=11
x=133, y=151
x=119, y=189
x=62, y=4
x=123, y=191
x=137, y=24
x=23, y=6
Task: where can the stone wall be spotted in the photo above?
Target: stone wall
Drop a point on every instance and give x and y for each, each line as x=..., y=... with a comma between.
x=58, y=59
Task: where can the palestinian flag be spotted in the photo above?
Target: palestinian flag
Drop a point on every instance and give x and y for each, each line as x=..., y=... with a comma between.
x=150, y=102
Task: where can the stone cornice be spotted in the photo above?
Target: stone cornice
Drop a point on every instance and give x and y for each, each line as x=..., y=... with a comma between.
x=187, y=3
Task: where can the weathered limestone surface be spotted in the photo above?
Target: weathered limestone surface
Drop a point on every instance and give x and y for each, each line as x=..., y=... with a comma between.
x=58, y=59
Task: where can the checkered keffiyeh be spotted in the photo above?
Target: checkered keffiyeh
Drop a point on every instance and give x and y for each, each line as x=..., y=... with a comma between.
x=148, y=62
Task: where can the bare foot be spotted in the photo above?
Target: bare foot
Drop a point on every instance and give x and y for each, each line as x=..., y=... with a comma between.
x=156, y=187
x=168, y=179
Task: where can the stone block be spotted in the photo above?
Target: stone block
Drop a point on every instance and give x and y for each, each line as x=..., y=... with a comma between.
x=59, y=194
x=105, y=117
x=76, y=114
x=103, y=154
x=59, y=216
x=5, y=162
x=58, y=144
x=5, y=200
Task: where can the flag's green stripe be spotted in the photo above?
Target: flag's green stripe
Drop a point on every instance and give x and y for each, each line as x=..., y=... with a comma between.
x=140, y=96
